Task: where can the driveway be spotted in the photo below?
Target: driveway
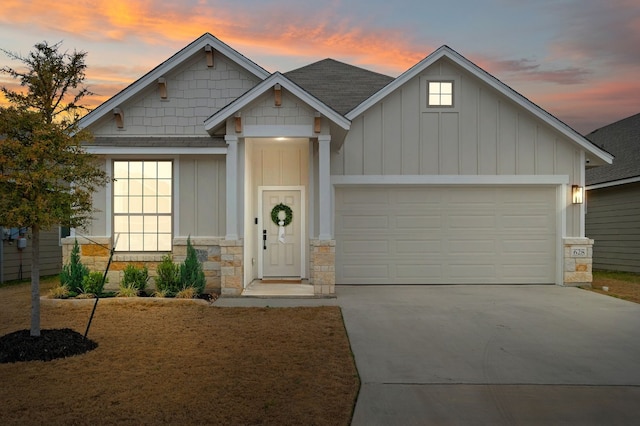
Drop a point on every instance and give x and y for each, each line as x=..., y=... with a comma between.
x=459, y=355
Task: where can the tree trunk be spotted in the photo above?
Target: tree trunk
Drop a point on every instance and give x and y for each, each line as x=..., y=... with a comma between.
x=35, y=281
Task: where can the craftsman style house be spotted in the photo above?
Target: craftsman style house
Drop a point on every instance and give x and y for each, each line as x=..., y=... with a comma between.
x=335, y=174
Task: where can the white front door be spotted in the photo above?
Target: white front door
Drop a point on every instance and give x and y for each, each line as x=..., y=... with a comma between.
x=281, y=247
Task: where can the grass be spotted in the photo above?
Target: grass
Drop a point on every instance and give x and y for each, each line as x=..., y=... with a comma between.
x=164, y=361
x=623, y=285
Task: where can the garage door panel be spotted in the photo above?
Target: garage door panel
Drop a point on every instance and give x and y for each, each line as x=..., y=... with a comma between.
x=366, y=222
x=359, y=247
x=539, y=222
x=427, y=221
x=367, y=274
x=470, y=221
x=418, y=247
x=525, y=246
x=440, y=235
x=471, y=247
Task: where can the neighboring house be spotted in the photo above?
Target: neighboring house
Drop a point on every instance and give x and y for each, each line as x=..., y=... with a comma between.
x=443, y=175
x=15, y=253
x=613, y=198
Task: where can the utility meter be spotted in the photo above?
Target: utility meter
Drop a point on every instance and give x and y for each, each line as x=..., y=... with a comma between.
x=22, y=243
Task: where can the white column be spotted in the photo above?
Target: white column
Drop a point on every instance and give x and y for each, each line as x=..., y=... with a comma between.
x=232, y=187
x=324, y=187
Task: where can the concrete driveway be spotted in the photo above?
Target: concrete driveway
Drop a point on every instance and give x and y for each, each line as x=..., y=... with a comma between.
x=475, y=355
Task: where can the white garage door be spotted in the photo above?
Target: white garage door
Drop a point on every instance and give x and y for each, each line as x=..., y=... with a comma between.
x=445, y=235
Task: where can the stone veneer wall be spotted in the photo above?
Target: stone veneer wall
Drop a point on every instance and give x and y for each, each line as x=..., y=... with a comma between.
x=94, y=253
x=578, y=261
x=232, y=269
x=322, y=266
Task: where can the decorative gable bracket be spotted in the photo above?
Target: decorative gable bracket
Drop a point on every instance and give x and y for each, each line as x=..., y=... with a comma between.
x=119, y=117
x=208, y=49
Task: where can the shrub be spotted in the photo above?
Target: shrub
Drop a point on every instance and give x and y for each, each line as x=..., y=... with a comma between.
x=187, y=293
x=191, y=273
x=135, y=278
x=127, y=291
x=160, y=293
x=73, y=273
x=93, y=284
x=59, y=292
x=168, y=277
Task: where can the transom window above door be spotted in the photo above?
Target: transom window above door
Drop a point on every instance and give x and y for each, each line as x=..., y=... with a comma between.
x=142, y=205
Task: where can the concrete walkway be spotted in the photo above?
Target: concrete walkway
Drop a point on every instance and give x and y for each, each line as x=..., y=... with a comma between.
x=488, y=355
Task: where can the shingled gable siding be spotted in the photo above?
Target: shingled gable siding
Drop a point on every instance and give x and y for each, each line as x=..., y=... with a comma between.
x=195, y=92
x=613, y=221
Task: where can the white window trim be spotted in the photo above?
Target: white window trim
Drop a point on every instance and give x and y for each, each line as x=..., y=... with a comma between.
x=174, y=189
x=424, y=93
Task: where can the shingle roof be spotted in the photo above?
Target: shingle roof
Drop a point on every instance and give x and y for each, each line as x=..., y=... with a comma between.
x=341, y=86
x=622, y=139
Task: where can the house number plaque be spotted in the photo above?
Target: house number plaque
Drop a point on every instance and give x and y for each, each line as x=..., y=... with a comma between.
x=578, y=252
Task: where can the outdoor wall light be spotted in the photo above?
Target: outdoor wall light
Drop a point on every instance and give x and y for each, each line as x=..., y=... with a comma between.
x=577, y=194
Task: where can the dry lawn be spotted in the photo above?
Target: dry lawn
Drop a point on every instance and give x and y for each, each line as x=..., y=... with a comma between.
x=181, y=362
x=623, y=285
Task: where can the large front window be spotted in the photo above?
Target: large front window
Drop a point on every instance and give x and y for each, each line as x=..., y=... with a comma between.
x=142, y=205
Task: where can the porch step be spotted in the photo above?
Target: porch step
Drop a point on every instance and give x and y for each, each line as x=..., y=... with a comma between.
x=279, y=288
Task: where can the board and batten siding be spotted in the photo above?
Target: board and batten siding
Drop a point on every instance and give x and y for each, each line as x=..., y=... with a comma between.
x=484, y=134
x=50, y=256
x=613, y=221
x=202, y=191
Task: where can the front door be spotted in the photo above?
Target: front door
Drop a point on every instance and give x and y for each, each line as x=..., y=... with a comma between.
x=282, y=242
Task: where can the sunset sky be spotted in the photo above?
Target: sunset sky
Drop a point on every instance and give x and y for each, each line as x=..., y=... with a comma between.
x=577, y=59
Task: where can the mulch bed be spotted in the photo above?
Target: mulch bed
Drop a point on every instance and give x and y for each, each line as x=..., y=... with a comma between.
x=51, y=344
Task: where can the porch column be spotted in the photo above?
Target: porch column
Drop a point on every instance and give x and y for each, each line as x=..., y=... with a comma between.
x=232, y=187
x=324, y=186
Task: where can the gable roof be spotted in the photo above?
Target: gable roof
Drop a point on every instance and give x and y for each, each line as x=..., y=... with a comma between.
x=599, y=156
x=221, y=116
x=621, y=139
x=167, y=66
x=341, y=86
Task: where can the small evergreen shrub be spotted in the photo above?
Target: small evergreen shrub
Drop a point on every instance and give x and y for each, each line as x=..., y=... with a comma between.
x=92, y=283
x=73, y=273
x=168, y=277
x=135, y=278
x=191, y=273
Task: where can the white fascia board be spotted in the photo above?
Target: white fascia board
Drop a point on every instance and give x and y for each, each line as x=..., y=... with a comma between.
x=613, y=183
x=449, y=180
x=155, y=150
x=276, y=78
x=152, y=76
x=445, y=51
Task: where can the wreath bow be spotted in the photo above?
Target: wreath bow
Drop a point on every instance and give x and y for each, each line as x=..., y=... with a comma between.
x=281, y=223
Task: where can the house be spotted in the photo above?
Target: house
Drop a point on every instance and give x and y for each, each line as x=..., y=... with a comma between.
x=15, y=253
x=613, y=196
x=335, y=174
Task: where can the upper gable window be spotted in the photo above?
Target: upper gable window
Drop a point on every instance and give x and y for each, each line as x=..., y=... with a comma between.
x=440, y=94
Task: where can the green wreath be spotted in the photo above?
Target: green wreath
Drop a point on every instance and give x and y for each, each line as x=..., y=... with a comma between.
x=288, y=214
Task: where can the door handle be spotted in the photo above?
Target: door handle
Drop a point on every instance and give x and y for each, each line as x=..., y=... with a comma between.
x=264, y=239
